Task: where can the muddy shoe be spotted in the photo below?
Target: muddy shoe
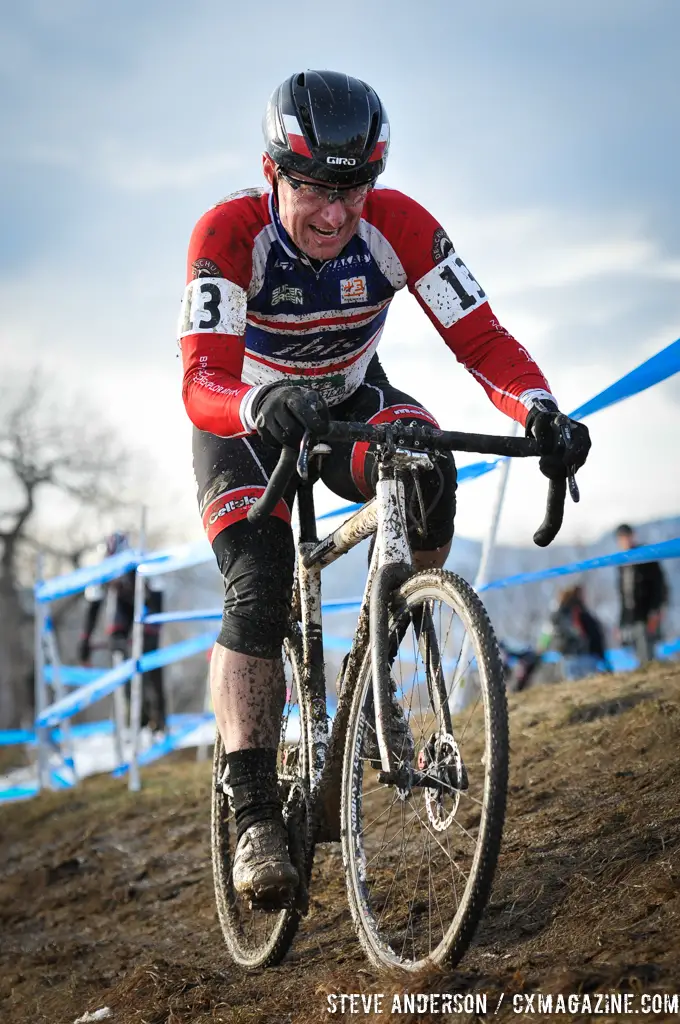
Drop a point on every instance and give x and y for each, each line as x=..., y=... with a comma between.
x=262, y=871
x=400, y=737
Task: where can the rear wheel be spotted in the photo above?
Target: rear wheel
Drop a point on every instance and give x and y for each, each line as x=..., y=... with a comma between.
x=420, y=855
x=256, y=938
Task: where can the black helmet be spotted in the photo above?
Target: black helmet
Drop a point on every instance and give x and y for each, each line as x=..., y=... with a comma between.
x=328, y=126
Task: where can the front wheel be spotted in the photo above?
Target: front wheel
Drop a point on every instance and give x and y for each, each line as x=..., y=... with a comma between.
x=420, y=854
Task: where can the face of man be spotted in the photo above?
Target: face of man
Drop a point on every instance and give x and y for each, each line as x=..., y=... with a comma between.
x=319, y=228
x=625, y=540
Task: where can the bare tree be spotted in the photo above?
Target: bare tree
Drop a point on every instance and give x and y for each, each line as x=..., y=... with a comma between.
x=53, y=455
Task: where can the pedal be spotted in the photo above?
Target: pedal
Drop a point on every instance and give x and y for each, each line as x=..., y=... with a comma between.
x=269, y=902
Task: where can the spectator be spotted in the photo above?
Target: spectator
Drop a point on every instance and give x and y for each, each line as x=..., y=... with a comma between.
x=576, y=634
x=120, y=631
x=519, y=664
x=644, y=595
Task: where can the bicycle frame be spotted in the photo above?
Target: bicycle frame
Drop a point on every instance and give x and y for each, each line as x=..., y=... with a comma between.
x=390, y=565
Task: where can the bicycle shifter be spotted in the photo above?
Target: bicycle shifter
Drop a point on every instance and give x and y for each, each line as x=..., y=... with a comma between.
x=303, y=457
x=566, y=440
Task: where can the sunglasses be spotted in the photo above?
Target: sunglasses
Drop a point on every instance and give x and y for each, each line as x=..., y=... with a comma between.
x=322, y=194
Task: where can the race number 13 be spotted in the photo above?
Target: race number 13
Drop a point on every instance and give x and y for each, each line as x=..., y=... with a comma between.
x=214, y=305
x=450, y=290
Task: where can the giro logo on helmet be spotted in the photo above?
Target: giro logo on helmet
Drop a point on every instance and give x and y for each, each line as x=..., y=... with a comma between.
x=342, y=161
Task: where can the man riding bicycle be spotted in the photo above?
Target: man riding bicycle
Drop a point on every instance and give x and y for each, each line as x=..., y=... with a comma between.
x=288, y=291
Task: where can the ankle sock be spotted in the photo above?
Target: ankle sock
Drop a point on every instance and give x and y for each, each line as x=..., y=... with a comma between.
x=253, y=780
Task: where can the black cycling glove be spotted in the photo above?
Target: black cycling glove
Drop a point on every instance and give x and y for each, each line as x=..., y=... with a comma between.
x=564, y=443
x=284, y=412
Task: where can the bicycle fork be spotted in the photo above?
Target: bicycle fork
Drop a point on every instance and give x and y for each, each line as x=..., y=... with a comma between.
x=313, y=664
x=391, y=565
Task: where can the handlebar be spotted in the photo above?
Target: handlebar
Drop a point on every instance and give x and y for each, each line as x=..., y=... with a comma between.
x=554, y=513
x=416, y=436
x=420, y=435
x=276, y=486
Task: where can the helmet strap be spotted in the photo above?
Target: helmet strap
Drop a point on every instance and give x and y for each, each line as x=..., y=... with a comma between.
x=275, y=189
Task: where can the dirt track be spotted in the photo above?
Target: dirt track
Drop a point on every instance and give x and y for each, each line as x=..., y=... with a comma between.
x=106, y=899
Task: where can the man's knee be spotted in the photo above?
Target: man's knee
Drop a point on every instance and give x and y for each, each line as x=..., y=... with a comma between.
x=257, y=566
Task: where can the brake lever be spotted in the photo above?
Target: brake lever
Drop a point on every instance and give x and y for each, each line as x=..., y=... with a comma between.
x=303, y=457
x=565, y=431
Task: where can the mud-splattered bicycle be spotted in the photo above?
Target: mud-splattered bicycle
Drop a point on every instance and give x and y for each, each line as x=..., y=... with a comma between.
x=420, y=832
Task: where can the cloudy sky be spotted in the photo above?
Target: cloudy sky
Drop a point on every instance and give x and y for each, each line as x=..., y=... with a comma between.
x=543, y=135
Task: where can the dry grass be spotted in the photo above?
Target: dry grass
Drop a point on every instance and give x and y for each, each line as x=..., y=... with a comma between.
x=13, y=757
x=106, y=898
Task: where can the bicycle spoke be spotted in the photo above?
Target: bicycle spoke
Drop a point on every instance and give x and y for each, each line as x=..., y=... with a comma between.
x=413, y=818
x=474, y=708
x=410, y=906
x=388, y=843
x=389, y=818
x=382, y=788
x=464, y=830
x=464, y=793
x=433, y=890
x=379, y=816
x=453, y=877
x=432, y=834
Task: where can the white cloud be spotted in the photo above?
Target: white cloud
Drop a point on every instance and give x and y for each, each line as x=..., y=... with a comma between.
x=524, y=250
x=145, y=172
x=122, y=166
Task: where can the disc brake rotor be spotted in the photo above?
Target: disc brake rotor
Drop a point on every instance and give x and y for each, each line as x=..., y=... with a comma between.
x=442, y=761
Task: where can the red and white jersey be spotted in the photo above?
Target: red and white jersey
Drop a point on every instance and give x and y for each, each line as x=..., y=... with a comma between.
x=257, y=310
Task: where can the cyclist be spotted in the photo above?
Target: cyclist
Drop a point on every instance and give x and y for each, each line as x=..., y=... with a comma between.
x=288, y=290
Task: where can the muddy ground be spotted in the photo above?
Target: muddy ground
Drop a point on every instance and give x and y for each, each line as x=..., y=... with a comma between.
x=106, y=898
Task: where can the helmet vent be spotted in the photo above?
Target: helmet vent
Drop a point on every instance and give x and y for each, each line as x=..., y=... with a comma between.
x=374, y=129
x=308, y=124
x=301, y=80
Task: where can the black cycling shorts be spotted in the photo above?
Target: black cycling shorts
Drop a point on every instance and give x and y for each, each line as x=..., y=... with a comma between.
x=257, y=562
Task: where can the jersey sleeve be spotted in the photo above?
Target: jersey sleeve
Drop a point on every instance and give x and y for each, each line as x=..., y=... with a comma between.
x=458, y=307
x=212, y=320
